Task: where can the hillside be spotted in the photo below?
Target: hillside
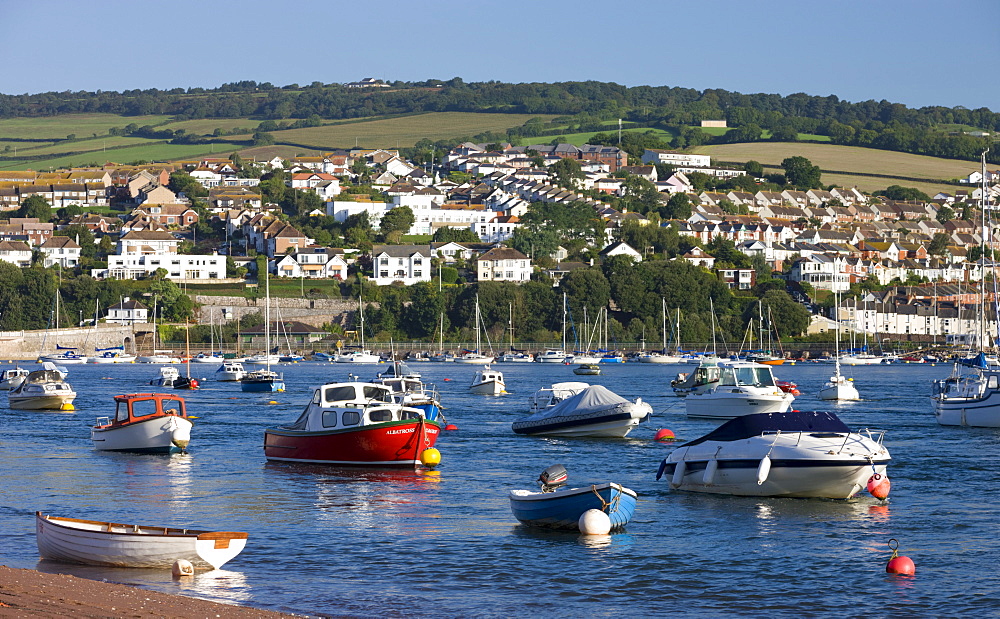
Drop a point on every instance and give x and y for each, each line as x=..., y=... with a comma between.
x=866, y=168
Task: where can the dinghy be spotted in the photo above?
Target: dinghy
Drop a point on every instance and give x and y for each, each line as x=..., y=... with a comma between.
x=557, y=507
x=93, y=542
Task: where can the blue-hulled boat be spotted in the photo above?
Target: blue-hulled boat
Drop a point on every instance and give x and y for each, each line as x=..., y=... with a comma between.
x=262, y=380
x=556, y=507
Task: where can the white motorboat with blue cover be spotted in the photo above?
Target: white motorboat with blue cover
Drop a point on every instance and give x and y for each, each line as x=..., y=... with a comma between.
x=793, y=454
x=743, y=388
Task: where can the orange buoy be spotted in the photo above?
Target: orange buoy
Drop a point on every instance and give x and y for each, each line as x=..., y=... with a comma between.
x=664, y=435
x=450, y=427
x=878, y=486
x=447, y=379
x=897, y=564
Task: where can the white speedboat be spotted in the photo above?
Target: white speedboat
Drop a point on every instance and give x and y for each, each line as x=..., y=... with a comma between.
x=550, y=396
x=551, y=356
x=168, y=375
x=657, y=357
x=970, y=396
x=230, y=371
x=91, y=542
x=262, y=359
x=861, y=359
x=699, y=380
x=144, y=423
x=594, y=411
x=474, y=358
x=42, y=390
x=12, y=377
x=206, y=358
x=111, y=356
x=584, y=358
x=488, y=382
x=358, y=356
x=793, y=454
x=744, y=388
x=515, y=357
x=159, y=357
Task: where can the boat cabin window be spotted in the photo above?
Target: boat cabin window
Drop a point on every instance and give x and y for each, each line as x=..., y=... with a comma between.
x=316, y=396
x=992, y=384
x=759, y=377
x=380, y=414
x=173, y=407
x=409, y=415
x=377, y=393
x=143, y=408
x=351, y=418
x=330, y=419
x=339, y=394
x=121, y=412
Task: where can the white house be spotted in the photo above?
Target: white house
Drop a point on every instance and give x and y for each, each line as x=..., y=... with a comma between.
x=60, y=250
x=408, y=264
x=497, y=230
x=342, y=209
x=128, y=312
x=621, y=248
x=503, y=264
x=15, y=252
x=177, y=266
x=312, y=262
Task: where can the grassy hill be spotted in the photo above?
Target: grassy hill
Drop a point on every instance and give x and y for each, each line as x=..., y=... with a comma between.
x=848, y=166
x=40, y=143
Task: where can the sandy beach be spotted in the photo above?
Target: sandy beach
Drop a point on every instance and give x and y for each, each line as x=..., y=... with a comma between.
x=27, y=593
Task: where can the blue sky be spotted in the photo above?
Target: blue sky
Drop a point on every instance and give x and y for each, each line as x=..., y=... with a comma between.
x=915, y=52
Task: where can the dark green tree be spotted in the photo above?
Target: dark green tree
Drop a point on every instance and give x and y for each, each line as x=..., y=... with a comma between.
x=36, y=206
x=398, y=219
x=801, y=173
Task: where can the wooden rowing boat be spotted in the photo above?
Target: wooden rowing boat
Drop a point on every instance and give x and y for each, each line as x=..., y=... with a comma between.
x=93, y=542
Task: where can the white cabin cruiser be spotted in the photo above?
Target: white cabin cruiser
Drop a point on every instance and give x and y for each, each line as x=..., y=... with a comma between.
x=168, y=374
x=12, y=377
x=970, y=396
x=744, y=388
x=793, y=454
x=42, y=390
x=700, y=380
x=488, y=382
x=551, y=356
x=358, y=356
x=230, y=371
x=594, y=411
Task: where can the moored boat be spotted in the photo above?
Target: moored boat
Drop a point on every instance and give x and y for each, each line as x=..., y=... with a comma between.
x=488, y=382
x=557, y=507
x=587, y=369
x=703, y=378
x=354, y=424
x=743, y=388
x=12, y=377
x=44, y=389
x=94, y=542
x=793, y=454
x=230, y=371
x=166, y=378
x=144, y=423
x=594, y=411
x=262, y=381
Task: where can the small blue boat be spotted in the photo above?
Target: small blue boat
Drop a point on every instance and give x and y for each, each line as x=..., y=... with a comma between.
x=555, y=507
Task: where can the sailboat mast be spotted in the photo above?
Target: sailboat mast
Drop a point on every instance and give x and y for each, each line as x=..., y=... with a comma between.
x=510, y=323
x=663, y=327
x=564, y=323
x=267, y=318
x=478, y=338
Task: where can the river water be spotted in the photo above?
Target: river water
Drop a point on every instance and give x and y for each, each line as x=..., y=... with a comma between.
x=329, y=541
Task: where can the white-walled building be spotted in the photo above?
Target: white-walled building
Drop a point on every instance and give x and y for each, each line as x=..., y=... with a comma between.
x=408, y=264
x=342, y=209
x=654, y=156
x=61, y=250
x=503, y=264
x=314, y=262
x=128, y=312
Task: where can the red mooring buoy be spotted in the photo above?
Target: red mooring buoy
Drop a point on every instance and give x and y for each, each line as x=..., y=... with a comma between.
x=878, y=486
x=451, y=427
x=897, y=564
x=664, y=435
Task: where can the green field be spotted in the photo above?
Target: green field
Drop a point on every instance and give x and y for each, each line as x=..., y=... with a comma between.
x=207, y=126
x=153, y=152
x=93, y=145
x=928, y=170
x=83, y=125
x=403, y=131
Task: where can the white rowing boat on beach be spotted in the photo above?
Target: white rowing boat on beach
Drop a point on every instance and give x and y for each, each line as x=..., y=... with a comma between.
x=93, y=542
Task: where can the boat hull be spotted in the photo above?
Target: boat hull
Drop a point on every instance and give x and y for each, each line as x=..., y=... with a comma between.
x=562, y=509
x=41, y=402
x=167, y=434
x=490, y=387
x=90, y=542
x=981, y=410
x=262, y=386
x=839, y=390
x=715, y=405
x=396, y=444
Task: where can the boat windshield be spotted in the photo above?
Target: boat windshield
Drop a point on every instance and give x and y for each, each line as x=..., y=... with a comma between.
x=747, y=376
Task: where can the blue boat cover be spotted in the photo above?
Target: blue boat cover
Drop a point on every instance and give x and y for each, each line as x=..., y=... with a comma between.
x=978, y=362
x=749, y=426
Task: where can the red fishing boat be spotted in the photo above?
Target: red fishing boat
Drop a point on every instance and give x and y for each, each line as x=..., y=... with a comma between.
x=356, y=424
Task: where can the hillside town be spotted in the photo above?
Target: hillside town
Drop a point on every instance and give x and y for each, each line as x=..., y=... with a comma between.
x=815, y=240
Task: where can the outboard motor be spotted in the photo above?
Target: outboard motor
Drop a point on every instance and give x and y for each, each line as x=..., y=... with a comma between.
x=553, y=477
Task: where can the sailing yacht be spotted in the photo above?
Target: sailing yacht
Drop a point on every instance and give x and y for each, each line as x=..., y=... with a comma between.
x=64, y=355
x=514, y=355
x=587, y=356
x=661, y=356
x=264, y=380
x=361, y=355
x=552, y=355
x=971, y=395
x=476, y=357
x=863, y=357
x=839, y=387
